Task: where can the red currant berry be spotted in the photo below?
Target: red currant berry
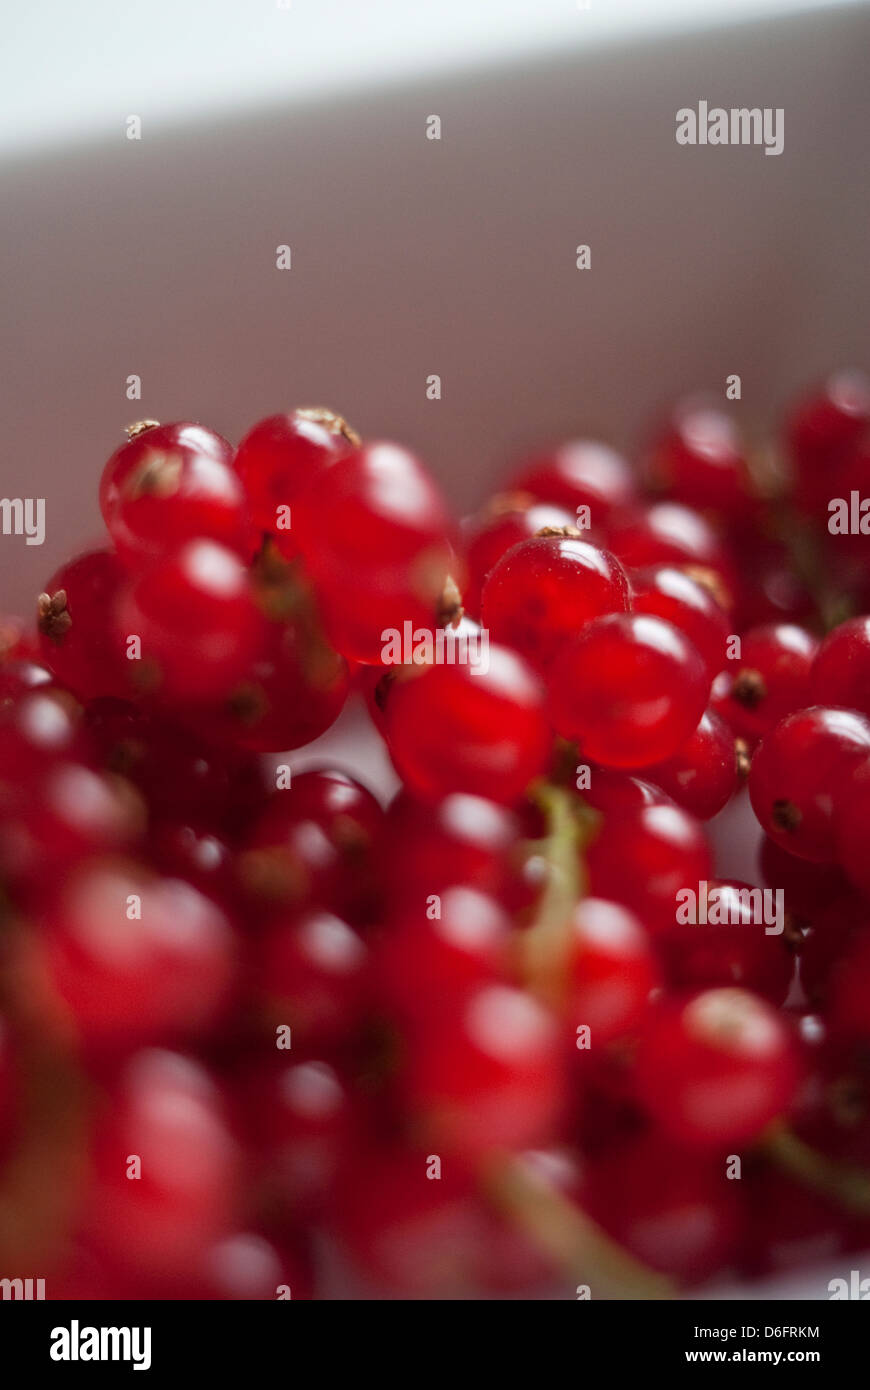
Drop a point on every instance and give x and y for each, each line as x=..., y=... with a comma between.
x=68, y=813
x=462, y=948
x=310, y=974
x=823, y=427
x=489, y=1077
x=77, y=636
x=197, y=620
x=611, y=970
x=798, y=774
x=509, y=519
x=579, y=473
x=700, y=459
x=462, y=839
x=137, y=958
x=171, y=484
x=294, y=689
x=312, y=842
x=612, y=791
x=630, y=690
x=703, y=775
x=196, y=855
x=476, y=729
x=665, y=533
x=732, y=947
x=280, y=456
x=298, y=1115
x=717, y=1068
x=645, y=857
x=39, y=730
x=18, y=675
x=841, y=670
x=771, y=679
x=373, y=533
x=545, y=590
x=164, y=1113
x=662, y=591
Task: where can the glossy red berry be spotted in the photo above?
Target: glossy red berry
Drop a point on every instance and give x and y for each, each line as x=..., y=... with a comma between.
x=611, y=970
x=197, y=621
x=704, y=773
x=290, y=694
x=18, y=675
x=64, y=815
x=717, y=1068
x=663, y=591
x=666, y=533
x=823, y=427
x=171, y=484
x=39, y=729
x=841, y=670
x=770, y=679
x=449, y=952
x=310, y=976
x=798, y=773
x=373, y=533
x=476, y=729
x=612, y=791
x=197, y=855
x=280, y=456
x=136, y=958
x=312, y=842
x=700, y=459
x=511, y=518
x=545, y=590
x=579, y=473
x=737, y=939
x=645, y=857
x=630, y=690
x=488, y=1077
x=75, y=619
x=165, y=1112
x=298, y=1115
x=463, y=839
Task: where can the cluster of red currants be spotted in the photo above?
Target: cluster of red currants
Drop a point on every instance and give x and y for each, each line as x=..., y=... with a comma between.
x=261, y=1038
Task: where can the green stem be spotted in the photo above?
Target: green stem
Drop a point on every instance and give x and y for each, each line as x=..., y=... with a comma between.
x=546, y=942
x=572, y=1239
x=551, y=1220
x=845, y=1184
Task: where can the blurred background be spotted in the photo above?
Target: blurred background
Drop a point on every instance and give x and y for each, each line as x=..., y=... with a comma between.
x=304, y=124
